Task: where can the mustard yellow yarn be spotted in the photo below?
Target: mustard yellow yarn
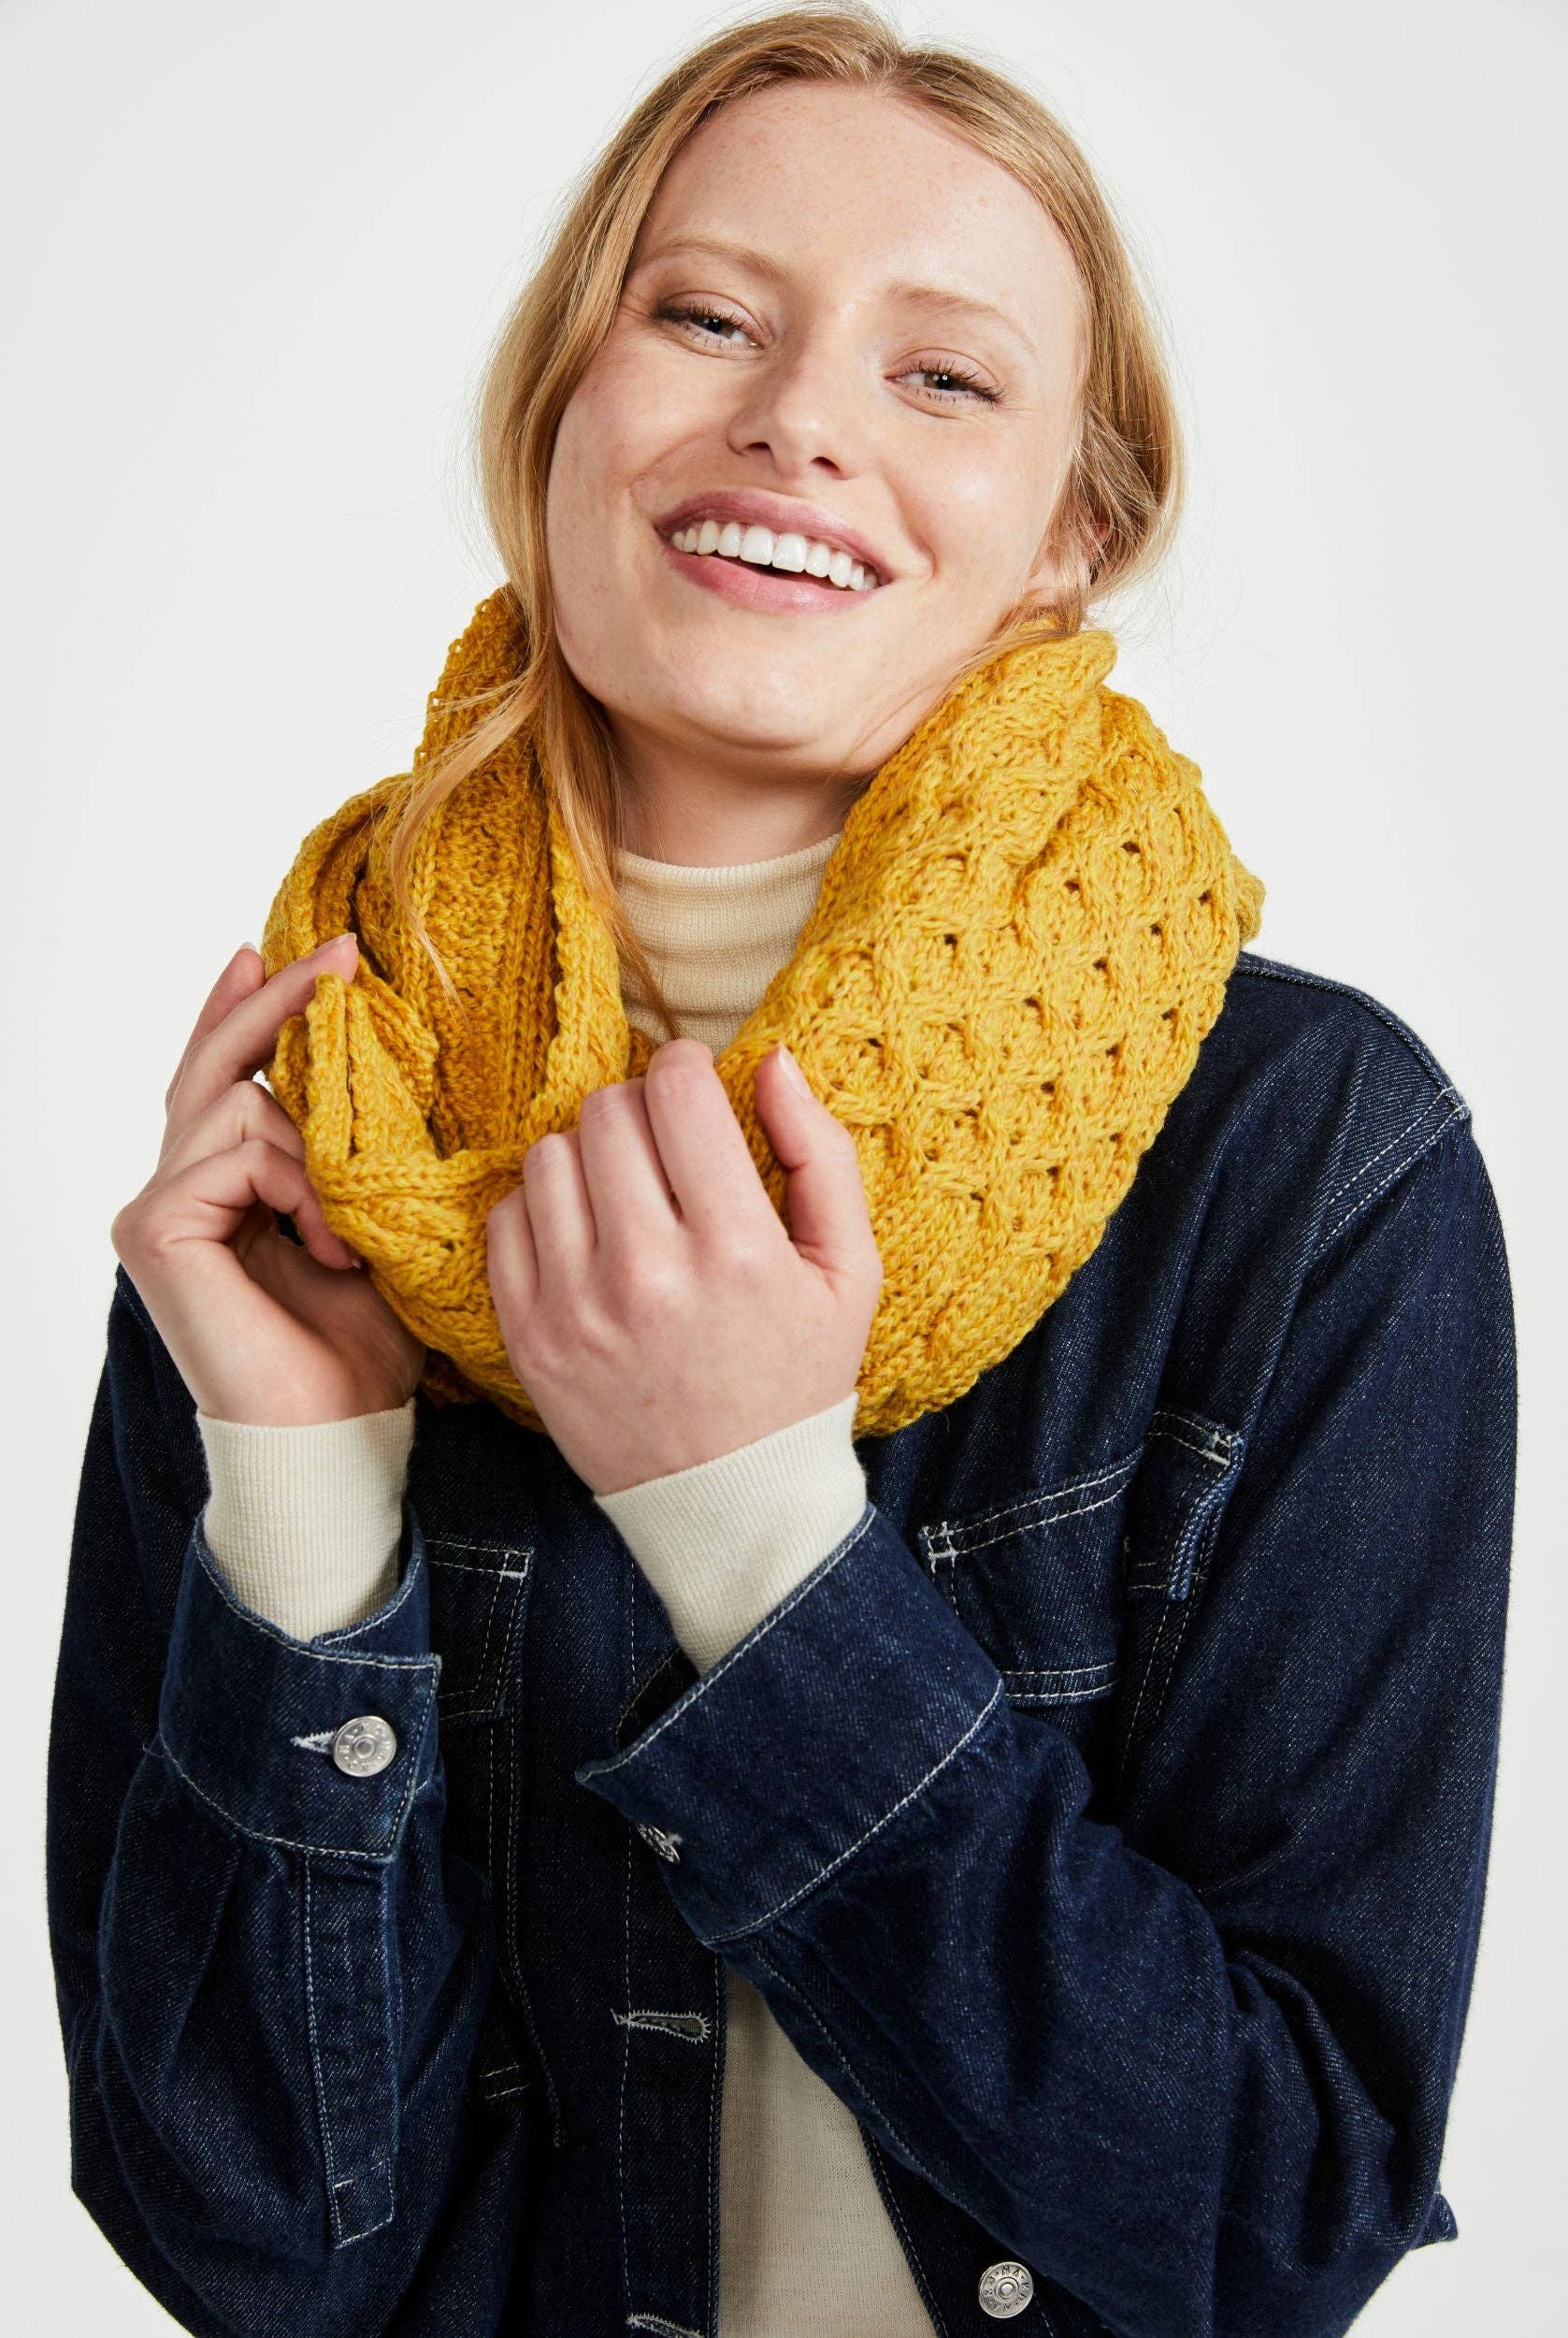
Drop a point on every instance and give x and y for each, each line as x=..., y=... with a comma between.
x=1022, y=937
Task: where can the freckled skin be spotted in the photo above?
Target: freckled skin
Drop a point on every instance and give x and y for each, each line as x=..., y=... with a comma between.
x=746, y=733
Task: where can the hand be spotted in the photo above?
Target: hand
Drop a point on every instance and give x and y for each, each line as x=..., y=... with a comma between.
x=653, y=1303
x=261, y=1329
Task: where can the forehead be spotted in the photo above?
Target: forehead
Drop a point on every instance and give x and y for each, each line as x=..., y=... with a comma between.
x=852, y=193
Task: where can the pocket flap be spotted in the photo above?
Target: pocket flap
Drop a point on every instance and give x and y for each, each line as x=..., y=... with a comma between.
x=1036, y=1580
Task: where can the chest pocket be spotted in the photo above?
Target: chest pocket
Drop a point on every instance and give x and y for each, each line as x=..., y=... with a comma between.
x=1189, y=1473
x=1037, y=1580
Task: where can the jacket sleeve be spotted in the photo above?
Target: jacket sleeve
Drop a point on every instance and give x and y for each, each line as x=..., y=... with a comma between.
x=1196, y=2073
x=269, y=1982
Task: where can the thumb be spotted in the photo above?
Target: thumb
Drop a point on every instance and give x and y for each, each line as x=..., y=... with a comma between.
x=829, y=1221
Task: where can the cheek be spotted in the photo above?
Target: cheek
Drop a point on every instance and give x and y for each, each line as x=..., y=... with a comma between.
x=620, y=420
x=619, y=438
x=591, y=470
x=985, y=519
x=587, y=468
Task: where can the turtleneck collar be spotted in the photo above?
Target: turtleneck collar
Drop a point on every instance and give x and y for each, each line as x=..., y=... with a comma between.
x=716, y=936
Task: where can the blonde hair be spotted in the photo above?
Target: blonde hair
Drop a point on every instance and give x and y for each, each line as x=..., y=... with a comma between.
x=1119, y=499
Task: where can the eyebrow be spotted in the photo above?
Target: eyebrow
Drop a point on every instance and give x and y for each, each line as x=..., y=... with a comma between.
x=933, y=296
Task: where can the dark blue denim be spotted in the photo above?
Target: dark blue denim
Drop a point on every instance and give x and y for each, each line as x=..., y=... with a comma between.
x=1106, y=1819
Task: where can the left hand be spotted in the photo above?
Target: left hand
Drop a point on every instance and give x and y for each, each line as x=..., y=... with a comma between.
x=652, y=1301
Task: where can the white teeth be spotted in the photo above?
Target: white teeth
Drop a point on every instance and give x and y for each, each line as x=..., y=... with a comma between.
x=790, y=551
x=810, y=556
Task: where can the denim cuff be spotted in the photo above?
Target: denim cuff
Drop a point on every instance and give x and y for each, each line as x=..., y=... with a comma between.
x=248, y=1716
x=774, y=1768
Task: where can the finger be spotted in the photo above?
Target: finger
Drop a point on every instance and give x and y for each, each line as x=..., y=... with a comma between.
x=235, y=1047
x=239, y=977
x=829, y=1217
x=206, y=1200
x=243, y=1109
x=242, y=975
x=560, y=1215
x=629, y=1194
x=512, y=1264
x=702, y=1145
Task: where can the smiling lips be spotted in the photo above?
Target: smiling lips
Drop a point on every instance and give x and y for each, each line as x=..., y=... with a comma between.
x=757, y=566
x=786, y=550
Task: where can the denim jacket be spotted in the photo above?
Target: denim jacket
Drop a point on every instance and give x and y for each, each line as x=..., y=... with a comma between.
x=1105, y=1819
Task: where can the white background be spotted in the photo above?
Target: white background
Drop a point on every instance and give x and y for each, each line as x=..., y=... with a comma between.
x=254, y=257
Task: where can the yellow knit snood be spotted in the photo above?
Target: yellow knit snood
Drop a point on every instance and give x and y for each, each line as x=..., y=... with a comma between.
x=1022, y=936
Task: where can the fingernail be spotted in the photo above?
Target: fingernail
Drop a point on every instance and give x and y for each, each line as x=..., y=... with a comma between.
x=321, y=947
x=792, y=1072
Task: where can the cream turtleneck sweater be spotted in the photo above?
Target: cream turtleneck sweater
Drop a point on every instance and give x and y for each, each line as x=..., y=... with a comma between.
x=305, y=1524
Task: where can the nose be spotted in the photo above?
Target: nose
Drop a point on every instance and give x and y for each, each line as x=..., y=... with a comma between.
x=804, y=405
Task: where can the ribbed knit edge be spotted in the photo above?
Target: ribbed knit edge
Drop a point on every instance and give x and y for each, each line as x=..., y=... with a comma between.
x=306, y=1521
x=723, y=1541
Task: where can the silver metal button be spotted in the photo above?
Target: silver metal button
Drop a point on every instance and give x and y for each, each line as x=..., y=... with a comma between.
x=364, y=1745
x=1005, y=2288
x=662, y=1842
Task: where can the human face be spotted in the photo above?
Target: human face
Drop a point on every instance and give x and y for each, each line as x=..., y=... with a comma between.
x=821, y=370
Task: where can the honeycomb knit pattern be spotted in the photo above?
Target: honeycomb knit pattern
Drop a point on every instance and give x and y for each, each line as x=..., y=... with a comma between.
x=1021, y=940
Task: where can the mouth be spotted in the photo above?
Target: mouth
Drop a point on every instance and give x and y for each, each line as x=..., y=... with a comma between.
x=753, y=583
x=765, y=551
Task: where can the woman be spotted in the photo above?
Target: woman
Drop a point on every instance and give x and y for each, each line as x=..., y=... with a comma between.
x=710, y=1703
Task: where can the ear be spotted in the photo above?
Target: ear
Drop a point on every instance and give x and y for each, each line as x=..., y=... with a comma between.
x=1075, y=544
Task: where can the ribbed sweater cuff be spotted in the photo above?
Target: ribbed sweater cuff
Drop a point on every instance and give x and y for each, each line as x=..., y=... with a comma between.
x=306, y=1521
x=723, y=1541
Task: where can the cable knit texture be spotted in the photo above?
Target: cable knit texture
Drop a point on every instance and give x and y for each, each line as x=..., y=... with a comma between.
x=1020, y=942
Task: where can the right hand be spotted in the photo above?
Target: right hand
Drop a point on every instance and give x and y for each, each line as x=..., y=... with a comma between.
x=261, y=1329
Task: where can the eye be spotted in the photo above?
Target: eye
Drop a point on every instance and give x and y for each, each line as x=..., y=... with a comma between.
x=971, y=385
x=703, y=318
x=698, y=313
